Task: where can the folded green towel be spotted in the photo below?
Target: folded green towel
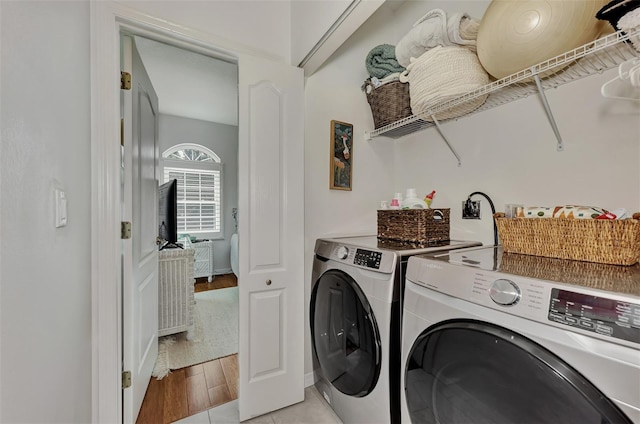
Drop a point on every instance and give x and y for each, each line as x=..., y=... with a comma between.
x=381, y=61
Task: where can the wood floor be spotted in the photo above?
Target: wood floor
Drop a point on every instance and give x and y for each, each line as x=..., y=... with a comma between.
x=188, y=391
x=219, y=282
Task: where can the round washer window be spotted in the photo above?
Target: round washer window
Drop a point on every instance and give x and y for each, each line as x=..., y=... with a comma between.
x=474, y=372
x=345, y=334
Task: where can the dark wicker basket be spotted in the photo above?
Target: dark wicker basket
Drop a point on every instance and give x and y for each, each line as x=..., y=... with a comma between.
x=389, y=103
x=414, y=227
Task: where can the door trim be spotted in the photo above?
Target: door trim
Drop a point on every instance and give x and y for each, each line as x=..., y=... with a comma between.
x=107, y=21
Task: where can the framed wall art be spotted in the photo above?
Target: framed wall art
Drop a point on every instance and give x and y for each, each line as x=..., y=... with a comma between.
x=341, y=156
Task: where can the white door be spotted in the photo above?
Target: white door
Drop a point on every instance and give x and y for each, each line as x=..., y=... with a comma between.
x=271, y=210
x=140, y=253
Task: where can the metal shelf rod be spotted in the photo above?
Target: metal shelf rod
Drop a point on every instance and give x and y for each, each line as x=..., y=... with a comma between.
x=547, y=109
x=444, y=137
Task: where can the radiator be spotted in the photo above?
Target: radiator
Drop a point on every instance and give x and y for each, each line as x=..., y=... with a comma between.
x=175, y=291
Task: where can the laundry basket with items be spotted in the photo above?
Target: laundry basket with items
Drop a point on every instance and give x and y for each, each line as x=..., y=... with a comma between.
x=410, y=221
x=386, y=95
x=581, y=233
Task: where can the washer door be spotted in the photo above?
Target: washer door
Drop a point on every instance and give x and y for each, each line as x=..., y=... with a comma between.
x=473, y=372
x=345, y=334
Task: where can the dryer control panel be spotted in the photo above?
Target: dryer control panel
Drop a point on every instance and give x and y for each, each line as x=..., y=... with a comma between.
x=596, y=314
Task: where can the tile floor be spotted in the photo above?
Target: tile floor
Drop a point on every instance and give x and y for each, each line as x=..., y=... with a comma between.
x=314, y=410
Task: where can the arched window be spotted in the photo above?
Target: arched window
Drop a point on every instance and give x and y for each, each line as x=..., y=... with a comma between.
x=199, y=174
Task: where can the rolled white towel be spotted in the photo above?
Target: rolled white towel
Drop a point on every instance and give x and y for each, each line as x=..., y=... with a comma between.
x=436, y=29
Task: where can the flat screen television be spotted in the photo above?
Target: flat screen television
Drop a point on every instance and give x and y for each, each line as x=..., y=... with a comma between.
x=168, y=212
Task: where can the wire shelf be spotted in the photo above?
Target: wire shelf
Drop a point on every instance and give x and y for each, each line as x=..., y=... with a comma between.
x=590, y=59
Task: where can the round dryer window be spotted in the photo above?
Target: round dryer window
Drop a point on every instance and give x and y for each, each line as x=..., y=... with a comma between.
x=345, y=334
x=466, y=371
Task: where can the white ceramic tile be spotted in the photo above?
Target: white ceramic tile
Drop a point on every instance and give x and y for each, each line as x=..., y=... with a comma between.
x=262, y=419
x=227, y=413
x=311, y=411
x=200, y=418
x=313, y=391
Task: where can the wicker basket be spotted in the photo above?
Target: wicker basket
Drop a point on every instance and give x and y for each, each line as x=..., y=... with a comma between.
x=605, y=241
x=443, y=74
x=389, y=102
x=414, y=227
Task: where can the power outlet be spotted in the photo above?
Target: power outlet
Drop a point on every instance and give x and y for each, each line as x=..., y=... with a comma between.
x=470, y=209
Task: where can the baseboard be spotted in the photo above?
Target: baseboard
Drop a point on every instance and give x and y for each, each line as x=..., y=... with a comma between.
x=222, y=271
x=309, y=379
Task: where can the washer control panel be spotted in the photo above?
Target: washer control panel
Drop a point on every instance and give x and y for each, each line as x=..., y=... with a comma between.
x=504, y=292
x=615, y=316
x=596, y=314
x=367, y=258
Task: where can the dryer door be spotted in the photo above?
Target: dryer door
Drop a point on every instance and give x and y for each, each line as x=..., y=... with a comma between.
x=344, y=332
x=466, y=371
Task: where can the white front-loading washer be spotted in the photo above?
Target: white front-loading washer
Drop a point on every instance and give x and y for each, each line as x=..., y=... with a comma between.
x=355, y=319
x=492, y=337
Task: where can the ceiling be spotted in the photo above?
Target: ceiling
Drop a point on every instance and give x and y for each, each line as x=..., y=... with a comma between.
x=190, y=84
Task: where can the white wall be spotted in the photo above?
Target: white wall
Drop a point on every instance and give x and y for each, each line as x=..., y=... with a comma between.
x=45, y=314
x=222, y=140
x=508, y=152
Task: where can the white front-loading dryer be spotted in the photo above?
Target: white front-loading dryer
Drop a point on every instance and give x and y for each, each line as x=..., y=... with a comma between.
x=355, y=319
x=486, y=340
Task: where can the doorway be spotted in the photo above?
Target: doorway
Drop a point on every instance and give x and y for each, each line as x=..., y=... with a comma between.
x=270, y=110
x=197, y=130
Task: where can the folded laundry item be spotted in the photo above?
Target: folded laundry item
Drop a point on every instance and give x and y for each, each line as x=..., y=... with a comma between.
x=381, y=61
x=630, y=21
x=567, y=212
x=436, y=29
x=468, y=30
x=373, y=82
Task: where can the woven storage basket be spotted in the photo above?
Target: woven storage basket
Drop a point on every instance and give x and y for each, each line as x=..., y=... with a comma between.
x=616, y=278
x=605, y=241
x=389, y=102
x=414, y=227
x=442, y=74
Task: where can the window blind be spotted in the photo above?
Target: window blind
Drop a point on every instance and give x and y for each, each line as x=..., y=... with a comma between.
x=198, y=199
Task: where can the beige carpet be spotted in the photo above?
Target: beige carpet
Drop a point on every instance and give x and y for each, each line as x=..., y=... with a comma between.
x=215, y=333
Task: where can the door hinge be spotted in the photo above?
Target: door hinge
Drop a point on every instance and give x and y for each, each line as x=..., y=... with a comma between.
x=125, y=81
x=126, y=379
x=125, y=230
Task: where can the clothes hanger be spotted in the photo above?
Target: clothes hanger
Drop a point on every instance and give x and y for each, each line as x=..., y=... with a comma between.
x=629, y=77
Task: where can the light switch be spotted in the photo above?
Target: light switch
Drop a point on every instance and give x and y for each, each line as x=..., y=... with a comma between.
x=61, y=208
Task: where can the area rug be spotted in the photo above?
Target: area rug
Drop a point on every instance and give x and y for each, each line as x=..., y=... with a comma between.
x=215, y=333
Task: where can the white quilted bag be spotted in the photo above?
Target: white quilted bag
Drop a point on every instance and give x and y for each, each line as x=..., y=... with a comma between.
x=442, y=74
